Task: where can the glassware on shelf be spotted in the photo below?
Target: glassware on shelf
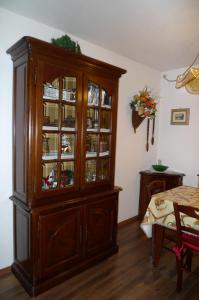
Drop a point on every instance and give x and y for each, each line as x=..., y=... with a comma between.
x=93, y=93
x=67, y=174
x=104, y=145
x=50, y=116
x=104, y=169
x=49, y=177
x=51, y=90
x=91, y=145
x=67, y=146
x=50, y=146
x=106, y=100
x=69, y=89
x=105, y=121
x=90, y=174
x=68, y=117
x=92, y=119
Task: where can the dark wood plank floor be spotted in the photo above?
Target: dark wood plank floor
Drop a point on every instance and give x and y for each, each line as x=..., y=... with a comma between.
x=128, y=275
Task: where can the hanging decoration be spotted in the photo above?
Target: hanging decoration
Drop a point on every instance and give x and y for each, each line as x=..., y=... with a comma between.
x=189, y=79
x=144, y=106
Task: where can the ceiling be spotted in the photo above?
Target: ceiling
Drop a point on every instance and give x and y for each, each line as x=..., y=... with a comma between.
x=157, y=33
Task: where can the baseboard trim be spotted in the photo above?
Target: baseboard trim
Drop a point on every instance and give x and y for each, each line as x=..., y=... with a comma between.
x=128, y=221
x=5, y=271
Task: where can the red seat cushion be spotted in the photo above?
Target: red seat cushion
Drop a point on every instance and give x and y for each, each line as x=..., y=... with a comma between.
x=188, y=241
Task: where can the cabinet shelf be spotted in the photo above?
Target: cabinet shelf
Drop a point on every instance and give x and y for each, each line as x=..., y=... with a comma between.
x=106, y=107
x=49, y=157
x=92, y=130
x=67, y=156
x=50, y=99
x=69, y=102
x=91, y=154
x=49, y=128
x=93, y=105
x=106, y=153
x=105, y=130
x=68, y=129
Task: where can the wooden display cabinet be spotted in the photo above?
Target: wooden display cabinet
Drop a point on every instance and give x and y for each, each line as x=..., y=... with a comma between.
x=172, y=180
x=65, y=202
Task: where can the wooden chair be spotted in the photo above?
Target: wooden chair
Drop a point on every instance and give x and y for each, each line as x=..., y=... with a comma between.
x=187, y=241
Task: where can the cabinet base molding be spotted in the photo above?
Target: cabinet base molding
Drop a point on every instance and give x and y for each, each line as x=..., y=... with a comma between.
x=36, y=289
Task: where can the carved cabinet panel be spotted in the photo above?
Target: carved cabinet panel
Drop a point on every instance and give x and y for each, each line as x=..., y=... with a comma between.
x=60, y=240
x=100, y=219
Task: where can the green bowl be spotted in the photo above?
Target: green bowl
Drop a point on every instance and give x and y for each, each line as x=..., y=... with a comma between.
x=160, y=168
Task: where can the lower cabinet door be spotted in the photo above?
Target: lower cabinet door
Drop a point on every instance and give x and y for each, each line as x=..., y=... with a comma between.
x=60, y=240
x=101, y=225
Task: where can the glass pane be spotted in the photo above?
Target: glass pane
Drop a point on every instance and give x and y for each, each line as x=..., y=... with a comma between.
x=67, y=174
x=68, y=117
x=91, y=145
x=90, y=170
x=106, y=100
x=49, y=178
x=105, y=121
x=93, y=93
x=104, y=146
x=67, y=145
x=51, y=90
x=50, y=115
x=50, y=146
x=104, y=168
x=69, y=89
x=92, y=119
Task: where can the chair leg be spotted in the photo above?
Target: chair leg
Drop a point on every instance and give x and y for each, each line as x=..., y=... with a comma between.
x=179, y=274
x=188, y=263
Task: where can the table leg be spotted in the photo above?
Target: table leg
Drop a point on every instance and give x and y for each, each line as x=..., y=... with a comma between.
x=157, y=242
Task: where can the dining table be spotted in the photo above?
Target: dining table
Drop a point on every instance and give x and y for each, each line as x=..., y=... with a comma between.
x=160, y=215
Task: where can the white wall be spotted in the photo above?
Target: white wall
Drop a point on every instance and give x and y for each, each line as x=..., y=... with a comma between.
x=178, y=145
x=131, y=155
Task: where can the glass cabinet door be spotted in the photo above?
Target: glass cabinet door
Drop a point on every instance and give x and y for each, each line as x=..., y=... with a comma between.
x=98, y=133
x=60, y=130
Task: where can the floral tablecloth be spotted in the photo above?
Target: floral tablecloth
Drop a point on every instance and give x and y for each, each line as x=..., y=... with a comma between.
x=161, y=211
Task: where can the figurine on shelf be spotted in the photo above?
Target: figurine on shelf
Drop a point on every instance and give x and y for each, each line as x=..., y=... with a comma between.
x=49, y=182
x=66, y=178
x=51, y=90
x=66, y=144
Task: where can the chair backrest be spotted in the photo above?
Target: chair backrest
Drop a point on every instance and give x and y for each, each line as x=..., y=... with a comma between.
x=155, y=187
x=182, y=228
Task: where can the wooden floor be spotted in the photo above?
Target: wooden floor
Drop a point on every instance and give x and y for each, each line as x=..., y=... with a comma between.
x=128, y=275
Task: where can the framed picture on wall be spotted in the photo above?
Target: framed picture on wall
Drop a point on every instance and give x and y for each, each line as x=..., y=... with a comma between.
x=180, y=116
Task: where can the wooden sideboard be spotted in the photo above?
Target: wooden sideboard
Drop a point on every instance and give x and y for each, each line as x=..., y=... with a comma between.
x=172, y=179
